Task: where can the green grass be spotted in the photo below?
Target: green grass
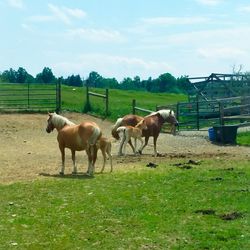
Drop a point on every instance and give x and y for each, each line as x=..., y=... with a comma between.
x=120, y=101
x=243, y=139
x=136, y=208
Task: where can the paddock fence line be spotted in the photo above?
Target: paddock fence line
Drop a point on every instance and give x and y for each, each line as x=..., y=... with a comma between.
x=30, y=97
x=200, y=115
x=105, y=97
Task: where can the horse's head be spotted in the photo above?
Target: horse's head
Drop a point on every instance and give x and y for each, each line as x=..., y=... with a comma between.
x=169, y=116
x=172, y=119
x=50, y=125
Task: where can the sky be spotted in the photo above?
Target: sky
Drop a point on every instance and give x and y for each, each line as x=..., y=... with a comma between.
x=125, y=38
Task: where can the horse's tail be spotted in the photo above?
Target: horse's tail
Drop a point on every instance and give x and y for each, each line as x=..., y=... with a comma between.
x=96, y=135
x=114, y=128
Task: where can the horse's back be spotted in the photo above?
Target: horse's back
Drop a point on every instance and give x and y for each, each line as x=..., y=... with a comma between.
x=78, y=136
x=131, y=120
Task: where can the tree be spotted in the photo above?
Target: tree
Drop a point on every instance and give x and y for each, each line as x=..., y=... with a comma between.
x=9, y=76
x=46, y=76
x=21, y=75
x=94, y=80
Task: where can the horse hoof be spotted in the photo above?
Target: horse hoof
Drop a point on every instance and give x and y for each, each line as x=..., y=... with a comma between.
x=61, y=173
x=140, y=152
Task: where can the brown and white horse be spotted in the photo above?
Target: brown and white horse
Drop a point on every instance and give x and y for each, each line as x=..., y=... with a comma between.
x=75, y=137
x=154, y=122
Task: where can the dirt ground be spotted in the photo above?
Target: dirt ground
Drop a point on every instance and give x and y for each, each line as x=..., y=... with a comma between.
x=28, y=152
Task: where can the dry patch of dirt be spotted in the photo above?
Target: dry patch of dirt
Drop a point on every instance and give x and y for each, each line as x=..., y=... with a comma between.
x=27, y=152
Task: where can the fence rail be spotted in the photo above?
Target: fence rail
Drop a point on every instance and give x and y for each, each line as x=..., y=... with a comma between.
x=30, y=97
x=199, y=115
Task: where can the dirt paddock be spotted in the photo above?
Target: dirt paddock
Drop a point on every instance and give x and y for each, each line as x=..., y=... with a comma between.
x=27, y=152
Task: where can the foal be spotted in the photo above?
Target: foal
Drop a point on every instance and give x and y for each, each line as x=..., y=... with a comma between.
x=104, y=144
x=128, y=132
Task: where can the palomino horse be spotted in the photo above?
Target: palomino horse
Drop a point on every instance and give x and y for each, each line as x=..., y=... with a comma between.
x=75, y=137
x=154, y=123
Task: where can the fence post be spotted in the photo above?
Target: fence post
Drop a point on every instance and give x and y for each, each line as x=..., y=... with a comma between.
x=107, y=102
x=133, y=106
x=58, y=96
x=28, y=95
x=221, y=113
x=197, y=115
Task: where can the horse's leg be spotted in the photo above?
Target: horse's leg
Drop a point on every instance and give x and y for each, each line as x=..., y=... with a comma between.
x=73, y=154
x=127, y=139
x=145, y=144
x=104, y=158
x=131, y=145
x=62, y=149
x=94, y=157
x=155, y=140
x=123, y=137
x=108, y=151
x=140, y=139
x=135, y=145
x=89, y=160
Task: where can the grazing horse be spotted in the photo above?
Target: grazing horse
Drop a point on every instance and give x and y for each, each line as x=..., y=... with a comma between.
x=75, y=137
x=128, y=132
x=154, y=122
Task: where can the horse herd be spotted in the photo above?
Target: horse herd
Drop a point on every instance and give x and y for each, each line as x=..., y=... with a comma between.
x=88, y=136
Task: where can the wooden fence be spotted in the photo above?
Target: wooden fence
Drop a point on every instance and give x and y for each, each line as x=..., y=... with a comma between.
x=105, y=97
x=30, y=97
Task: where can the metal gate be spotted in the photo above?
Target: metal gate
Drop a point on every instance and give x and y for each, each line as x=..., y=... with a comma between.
x=30, y=97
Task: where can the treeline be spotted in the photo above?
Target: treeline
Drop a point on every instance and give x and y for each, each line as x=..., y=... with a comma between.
x=164, y=83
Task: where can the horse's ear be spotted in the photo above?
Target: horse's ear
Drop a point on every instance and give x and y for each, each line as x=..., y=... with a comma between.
x=49, y=114
x=170, y=112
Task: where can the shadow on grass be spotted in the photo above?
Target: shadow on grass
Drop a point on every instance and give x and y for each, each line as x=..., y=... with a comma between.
x=68, y=176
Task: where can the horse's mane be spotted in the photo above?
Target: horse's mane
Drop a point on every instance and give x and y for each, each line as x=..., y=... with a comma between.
x=164, y=113
x=60, y=121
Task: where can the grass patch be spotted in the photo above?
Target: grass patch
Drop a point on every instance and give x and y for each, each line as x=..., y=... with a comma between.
x=243, y=138
x=135, y=208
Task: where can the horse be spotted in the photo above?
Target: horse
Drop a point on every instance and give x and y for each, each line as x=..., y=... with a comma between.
x=154, y=122
x=104, y=144
x=75, y=137
x=128, y=132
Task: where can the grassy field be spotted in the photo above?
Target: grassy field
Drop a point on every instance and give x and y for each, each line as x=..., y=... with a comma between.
x=243, y=139
x=167, y=207
x=120, y=101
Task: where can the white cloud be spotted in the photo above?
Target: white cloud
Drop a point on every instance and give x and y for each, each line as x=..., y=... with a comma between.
x=245, y=8
x=97, y=35
x=63, y=14
x=209, y=2
x=174, y=20
x=220, y=52
x=16, y=4
x=77, y=13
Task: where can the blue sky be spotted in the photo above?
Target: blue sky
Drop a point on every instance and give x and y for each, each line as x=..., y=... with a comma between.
x=125, y=38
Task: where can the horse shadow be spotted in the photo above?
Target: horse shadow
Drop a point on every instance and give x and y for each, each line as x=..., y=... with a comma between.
x=79, y=176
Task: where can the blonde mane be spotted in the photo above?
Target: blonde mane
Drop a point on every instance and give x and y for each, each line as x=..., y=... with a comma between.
x=60, y=121
x=164, y=113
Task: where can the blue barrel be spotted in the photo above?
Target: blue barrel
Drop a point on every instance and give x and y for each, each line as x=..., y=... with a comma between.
x=211, y=134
